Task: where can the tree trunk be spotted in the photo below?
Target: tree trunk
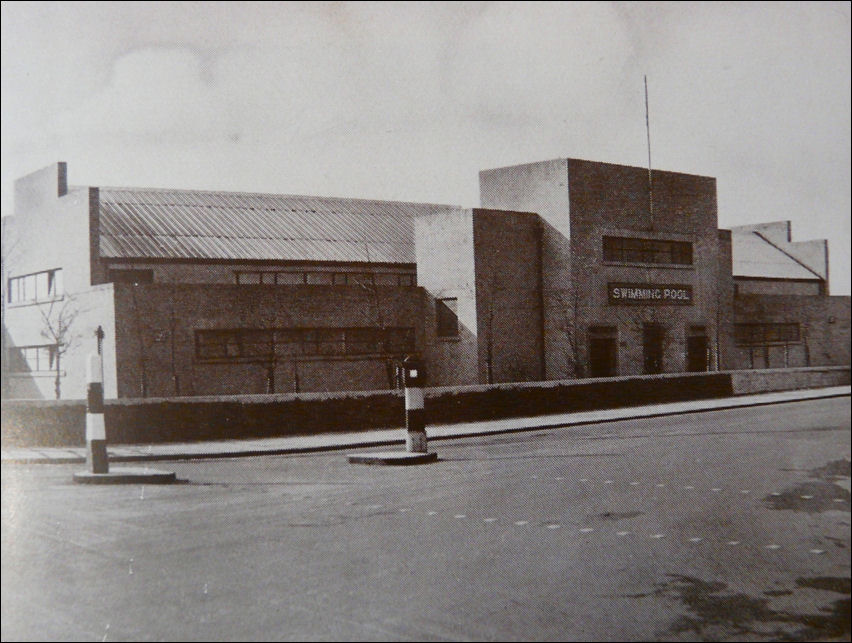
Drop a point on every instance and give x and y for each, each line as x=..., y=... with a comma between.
x=57, y=382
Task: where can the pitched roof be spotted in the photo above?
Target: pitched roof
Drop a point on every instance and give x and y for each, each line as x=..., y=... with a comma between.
x=755, y=256
x=184, y=224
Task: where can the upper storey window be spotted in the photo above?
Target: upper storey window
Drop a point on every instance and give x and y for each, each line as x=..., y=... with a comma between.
x=657, y=251
x=39, y=286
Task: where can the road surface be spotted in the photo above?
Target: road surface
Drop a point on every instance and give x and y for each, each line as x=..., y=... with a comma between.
x=726, y=525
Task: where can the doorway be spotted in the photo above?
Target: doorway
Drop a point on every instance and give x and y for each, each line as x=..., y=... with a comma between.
x=603, y=351
x=652, y=348
x=697, y=352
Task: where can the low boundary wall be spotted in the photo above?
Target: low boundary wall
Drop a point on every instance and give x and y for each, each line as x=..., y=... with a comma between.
x=184, y=419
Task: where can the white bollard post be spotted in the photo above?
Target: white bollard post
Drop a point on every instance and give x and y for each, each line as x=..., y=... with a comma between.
x=415, y=420
x=415, y=423
x=96, y=453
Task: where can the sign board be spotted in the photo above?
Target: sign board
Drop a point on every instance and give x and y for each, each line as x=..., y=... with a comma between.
x=650, y=294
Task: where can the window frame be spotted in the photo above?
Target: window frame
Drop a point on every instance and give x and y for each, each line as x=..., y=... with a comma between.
x=447, y=318
x=234, y=345
x=641, y=250
x=45, y=285
x=751, y=334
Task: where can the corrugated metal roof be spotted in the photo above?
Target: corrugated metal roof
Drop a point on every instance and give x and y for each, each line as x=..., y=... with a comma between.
x=753, y=256
x=183, y=224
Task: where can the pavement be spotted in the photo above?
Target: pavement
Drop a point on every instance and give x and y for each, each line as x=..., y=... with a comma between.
x=396, y=436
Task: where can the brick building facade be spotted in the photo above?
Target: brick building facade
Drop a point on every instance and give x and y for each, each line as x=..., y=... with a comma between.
x=569, y=269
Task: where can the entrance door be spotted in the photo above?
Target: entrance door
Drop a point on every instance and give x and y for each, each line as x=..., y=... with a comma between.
x=696, y=354
x=652, y=348
x=602, y=360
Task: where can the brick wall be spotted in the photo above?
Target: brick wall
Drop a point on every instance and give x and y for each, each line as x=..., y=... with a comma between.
x=226, y=417
x=507, y=250
x=824, y=330
x=158, y=321
x=446, y=269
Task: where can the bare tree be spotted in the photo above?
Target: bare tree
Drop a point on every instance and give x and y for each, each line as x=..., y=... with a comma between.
x=142, y=362
x=58, y=319
x=571, y=347
x=373, y=293
x=172, y=347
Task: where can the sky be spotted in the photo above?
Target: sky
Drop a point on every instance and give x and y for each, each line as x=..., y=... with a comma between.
x=409, y=101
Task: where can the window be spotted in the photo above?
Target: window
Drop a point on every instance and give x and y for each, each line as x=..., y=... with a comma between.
x=290, y=278
x=766, y=334
x=38, y=286
x=31, y=359
x=316, y=277
x=656, y=251
x=352, y=278
x=131, y=276
x=319, y=278
x=447, y=315
x=260, y=344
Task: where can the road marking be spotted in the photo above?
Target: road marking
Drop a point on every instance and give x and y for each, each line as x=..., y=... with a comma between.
x=554, y=526
x=715, y=490
x=130, y=571
x=695, y=540
x=431, y=513
x=660, y=485
x=773, y=546
x=689, y=486
x=658, y=536
x=607, y=481
x=374, y=507
x=460, y=516
x=586, y=530
x=490, y=519
x=745, y=490
x=622, y=533
x=733, y=543
x=774, y=493
x=633, y=484
x=839, y=500
x=584, y=479
x=817, y=551
x=536, y=477
x=521, y=522
x=559, y=478
x=105, y=633
x=805, y=497
x=142, y=494
x=403, y=510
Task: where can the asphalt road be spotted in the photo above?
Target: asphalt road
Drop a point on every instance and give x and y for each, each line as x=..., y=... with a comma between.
x=727, y=525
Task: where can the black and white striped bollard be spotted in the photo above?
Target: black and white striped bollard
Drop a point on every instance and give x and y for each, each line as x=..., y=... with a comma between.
x=96, y=452
x=415, y=420
x=416, y=450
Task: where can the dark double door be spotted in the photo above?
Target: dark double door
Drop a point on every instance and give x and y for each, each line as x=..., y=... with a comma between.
x=652, y=348
x=697, y=354
x=602, y=357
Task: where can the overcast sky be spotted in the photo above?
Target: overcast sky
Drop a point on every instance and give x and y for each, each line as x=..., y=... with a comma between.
x=409, y=101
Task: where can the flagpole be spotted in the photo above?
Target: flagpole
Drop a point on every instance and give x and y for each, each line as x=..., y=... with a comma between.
x=650, y=180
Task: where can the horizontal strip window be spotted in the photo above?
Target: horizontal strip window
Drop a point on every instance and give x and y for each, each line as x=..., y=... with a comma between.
x=324, y=278
x=39, y=286
x=766, y=334
x=131, y=276
x=269, y=343
x=31, y=359
x=655, y=251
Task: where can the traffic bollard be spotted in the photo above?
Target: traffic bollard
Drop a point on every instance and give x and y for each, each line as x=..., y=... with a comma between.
x=415, y=421
x=96, y=452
